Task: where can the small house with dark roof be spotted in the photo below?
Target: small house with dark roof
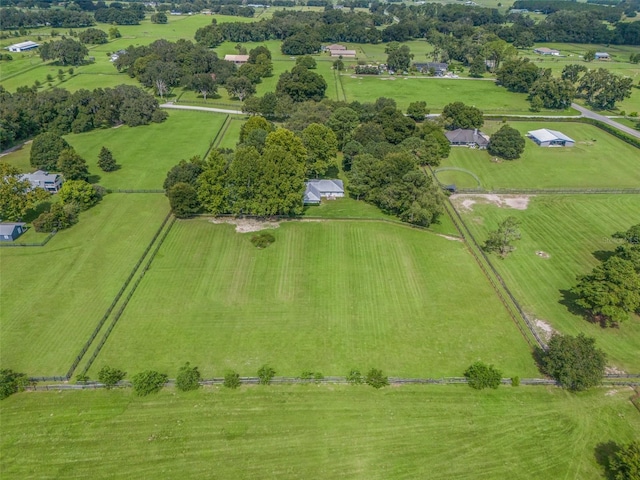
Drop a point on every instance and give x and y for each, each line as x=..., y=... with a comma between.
x=438, y=68
x=547, y=51
x=318, y=189
x=467, y=137
x=9, y=231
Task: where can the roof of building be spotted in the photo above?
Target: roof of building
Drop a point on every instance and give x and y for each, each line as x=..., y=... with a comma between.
x=546, y=50
x=326, y=186
x=436, y=65
x=467, y=135
x=335, y=46
x=236, y=58
x=28, y=44
x=6, y=228
x=602, y=54
x=40, y=176
x=546, y=135
x=344, y=53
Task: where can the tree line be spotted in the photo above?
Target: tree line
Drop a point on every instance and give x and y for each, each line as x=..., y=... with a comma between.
x=28, y=112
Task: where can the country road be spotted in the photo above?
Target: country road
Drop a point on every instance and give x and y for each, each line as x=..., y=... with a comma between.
x=201, y=109
x=585, y=112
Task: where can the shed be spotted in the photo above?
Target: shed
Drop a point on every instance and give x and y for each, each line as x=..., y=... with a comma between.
x=23, y=46
x=550, y=138
x=9, y=231
x=335, y=46
x=602, y=56
x=343, y=53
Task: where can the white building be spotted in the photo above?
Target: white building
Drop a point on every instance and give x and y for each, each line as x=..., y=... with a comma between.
x=550, y=138
x=23, y=47
x=237, y=59
x=318, y=189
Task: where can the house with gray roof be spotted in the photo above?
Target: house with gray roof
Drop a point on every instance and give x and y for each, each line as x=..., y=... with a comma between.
x=438, y=68
x=9, y=231
x=51, y=182
x=319, y=189
x=550, y=138
x=467, y=137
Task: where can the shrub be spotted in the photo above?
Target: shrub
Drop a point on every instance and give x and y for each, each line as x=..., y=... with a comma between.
x=263, y=240
x=188, y=378
x=515, y=381
x=82, y=378
x=354, y=377
x=480, y=375
x=266, y=374
x=58, y=217
x=376, y=378
x=11, y=382
x=106, y=162
x=232, y=380
x=306, y=375
x=148, y=382
x=110, y=376
x=317, y=376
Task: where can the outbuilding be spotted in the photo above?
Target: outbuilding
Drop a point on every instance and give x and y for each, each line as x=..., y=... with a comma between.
x=603, y=56
x=547, y=51
x=550, y=138
x=9, y=231
x=23, y=46
x=343, y=53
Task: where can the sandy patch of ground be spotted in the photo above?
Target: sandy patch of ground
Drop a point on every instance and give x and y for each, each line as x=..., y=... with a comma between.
x=614, y=371
x=542, y=254
x=467, y=201
x=246, y=225
x=611, y=392
x=546, y=329
x=449, y=237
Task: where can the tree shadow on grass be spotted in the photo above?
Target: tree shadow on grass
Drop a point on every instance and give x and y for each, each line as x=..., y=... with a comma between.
x=35, y=212
x=94, y=179
x=569, y=301
x=603, y=255
x=603, y=453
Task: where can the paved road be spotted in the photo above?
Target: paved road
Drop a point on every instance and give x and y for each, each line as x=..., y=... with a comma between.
x=201, y=109
x=589, y=114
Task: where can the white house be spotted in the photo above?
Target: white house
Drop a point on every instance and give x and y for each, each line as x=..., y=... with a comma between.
x=22, y=47
x=547, y=51
x=550, y=138
x=51, y=182
x=318, y=189
x=237, y=59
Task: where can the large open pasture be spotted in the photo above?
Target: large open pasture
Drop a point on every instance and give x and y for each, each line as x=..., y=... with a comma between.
x=437, y=92
x=53, y=296
x=325, y=297
x=428, y=432
x=569, y=229
x=146, y=153
x=598, y=160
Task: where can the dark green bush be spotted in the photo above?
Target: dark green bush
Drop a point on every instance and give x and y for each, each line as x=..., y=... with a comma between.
x=110, y=376
x=232, y=380
x=376, y=378
x=188, y=378
x=266, y=374
x=354, y=377
x=263, y=240
x=148, y=382
x=480, y=375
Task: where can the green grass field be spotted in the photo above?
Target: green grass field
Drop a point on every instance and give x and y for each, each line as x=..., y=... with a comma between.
x=570, y=229
x=326, y=296
x=301, y=432
x=598, y=160
x=485, y=95
x=52, y=297
x=146, y=153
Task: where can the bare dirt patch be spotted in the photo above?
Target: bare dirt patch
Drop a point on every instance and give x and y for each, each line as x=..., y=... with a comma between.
x=247, y=225
x=611, y=392
x=467, y=201
x=614, y=371
x=545, y=329
x=542, y=254
x=449, y=237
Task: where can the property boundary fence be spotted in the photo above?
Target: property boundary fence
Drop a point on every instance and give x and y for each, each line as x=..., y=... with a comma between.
x=124, y=304
x=120, y=190
x=41, y=244
x=609, y=380
x=549, y=191
x=116, y=299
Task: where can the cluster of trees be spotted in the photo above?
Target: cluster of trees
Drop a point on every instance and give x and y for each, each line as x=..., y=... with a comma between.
x=13, y=18
x=621, y=462
x=301, y=84
x=93, y=36
x=66, y=51
x=264, y=176
x=16, y=195
x=28, y=112
x=611, y=292
x=118, y=14
x=163, y=65
x=599, y=87
x=574, y=362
